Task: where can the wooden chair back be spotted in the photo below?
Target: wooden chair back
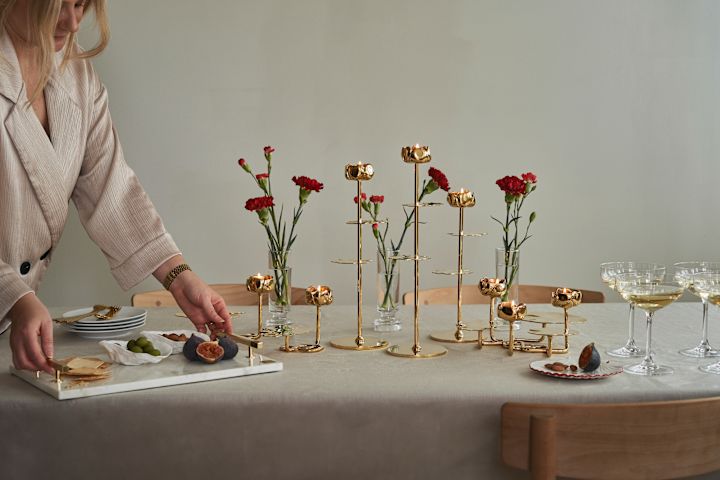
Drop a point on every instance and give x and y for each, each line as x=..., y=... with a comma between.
x=649, y=440
x=232, y=293
x=471, y=295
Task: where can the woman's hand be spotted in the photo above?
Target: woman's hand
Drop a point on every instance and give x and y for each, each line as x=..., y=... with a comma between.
x=203, y=306
x=31, y=334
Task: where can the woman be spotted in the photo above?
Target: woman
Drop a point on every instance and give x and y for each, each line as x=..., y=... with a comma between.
x=57, y=143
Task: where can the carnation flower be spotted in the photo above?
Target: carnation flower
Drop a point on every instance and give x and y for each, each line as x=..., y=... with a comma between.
x=308, y=183
x=439, y=178
x=258, y=203
x=261, y=176
x=268, y=150
x=362, y=196
x=512, y=186
x=377, y=198
x=529, y=177
x=245, y=166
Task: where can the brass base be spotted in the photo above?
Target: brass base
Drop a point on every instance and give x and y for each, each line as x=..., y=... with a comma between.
x=308, y=348
x=349, y=343
x=406, y=350
x=449, y=336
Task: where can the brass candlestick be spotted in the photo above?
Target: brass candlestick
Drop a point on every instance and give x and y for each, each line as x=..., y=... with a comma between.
x=358, y=173
x=318, y=295
x=565, y=298
x=416, y=155
x=461, y=200
x=493, y=288
x=260, y=284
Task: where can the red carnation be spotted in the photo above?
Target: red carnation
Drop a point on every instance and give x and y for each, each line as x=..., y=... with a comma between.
x=511, y=185
x=244, y=165
x=268, y=150
x=363, y=196
x=261, y=176
x=439, y=178
x=258, y=203
x=308, y=183
x=529, y=177
x=377, y=198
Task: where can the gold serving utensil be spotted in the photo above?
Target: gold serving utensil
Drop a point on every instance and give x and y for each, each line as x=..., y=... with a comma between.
x=95, y=310
x=111, y=313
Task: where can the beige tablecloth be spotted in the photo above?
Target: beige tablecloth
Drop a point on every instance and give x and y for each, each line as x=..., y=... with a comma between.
x=334, y=415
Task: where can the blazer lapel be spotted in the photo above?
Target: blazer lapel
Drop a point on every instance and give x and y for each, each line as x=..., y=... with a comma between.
x=37, y=155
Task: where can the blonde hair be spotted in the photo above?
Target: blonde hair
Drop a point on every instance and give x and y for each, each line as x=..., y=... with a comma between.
x=42, y=18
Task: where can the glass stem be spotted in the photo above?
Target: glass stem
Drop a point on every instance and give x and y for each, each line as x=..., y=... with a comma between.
x=631, y=324
x=704, y=340
x=648, y=360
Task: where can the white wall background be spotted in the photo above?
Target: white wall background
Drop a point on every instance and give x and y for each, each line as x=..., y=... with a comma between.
x=614, y=104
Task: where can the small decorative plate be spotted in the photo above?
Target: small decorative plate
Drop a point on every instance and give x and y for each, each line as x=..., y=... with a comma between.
x=603, y=371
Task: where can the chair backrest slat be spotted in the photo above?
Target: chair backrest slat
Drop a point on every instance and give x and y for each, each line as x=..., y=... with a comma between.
x=650, y=440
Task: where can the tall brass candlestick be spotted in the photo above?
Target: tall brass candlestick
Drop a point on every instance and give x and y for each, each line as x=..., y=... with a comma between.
x=358, y=173
x=493, y=288
x=416, y=154
x=461, y=200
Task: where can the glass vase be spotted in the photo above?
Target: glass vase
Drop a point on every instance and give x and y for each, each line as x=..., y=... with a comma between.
x=279, y=299
x=507, y=266
x=388, y=294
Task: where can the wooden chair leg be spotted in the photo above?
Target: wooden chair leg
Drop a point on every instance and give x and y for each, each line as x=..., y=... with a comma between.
x=543, y=448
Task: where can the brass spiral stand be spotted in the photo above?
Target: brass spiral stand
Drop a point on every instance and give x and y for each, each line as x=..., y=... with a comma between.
x=461, y=200
x=416, y=155
x=358, y=173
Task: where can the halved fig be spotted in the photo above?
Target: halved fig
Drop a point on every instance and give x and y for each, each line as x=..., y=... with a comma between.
x=589, y=359
x=190, y=347
x=210, y=352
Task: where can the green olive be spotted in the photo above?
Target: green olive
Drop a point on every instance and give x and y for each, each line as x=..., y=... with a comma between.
x=136, y=349
x=155, y=352
x=141, y=342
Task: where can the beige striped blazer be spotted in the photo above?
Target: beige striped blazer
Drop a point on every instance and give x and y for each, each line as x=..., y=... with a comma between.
x=80, y=160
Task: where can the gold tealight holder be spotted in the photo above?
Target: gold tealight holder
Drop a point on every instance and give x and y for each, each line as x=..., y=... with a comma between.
x=260, y=284
x=417, y=155
x=493, y=288
x=461, y=200
x=511, y=312
x=318, y=295
x=358, y=172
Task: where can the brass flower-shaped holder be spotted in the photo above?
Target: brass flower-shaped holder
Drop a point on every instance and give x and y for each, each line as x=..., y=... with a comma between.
x=416, y=154
x=260, y=284
x=358, y=172
x=511, y=312
x=493, y=288
x=461, y=200
x=318, y=295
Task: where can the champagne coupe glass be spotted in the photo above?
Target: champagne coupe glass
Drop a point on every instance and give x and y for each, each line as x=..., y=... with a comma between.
x=651, y=296
x=711, y=291
x=608, y=272
x=685, y=273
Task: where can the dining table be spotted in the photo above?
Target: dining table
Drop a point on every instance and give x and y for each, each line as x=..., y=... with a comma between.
x=335, y=414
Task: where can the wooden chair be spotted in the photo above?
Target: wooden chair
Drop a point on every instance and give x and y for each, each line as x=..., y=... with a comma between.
x=471, y=295
x=232, y=293
x=650, y=440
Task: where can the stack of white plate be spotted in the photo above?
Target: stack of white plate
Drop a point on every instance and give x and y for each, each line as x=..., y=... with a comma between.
x=124, y=322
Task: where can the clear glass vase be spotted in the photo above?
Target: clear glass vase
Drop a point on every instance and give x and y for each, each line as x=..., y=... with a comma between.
x=388, y=294
x=507, y=266
x=280, y=297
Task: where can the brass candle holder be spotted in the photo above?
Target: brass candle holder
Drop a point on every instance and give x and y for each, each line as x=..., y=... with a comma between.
x=416, y=155
x=260, y=284
x=358, y=173
x=511, y=312
x=493, y=288
x=461, y=200
x=318, y=295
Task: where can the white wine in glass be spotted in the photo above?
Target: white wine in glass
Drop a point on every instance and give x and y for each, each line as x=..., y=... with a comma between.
x=651, y=297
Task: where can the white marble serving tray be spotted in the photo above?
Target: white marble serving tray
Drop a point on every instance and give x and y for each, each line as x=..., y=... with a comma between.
x=174, y=370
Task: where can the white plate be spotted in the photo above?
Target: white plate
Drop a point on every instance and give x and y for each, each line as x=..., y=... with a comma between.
x=105, y=335
x=177, y=347
x=114, y=326
x=125, y=313
x=118, y=352
x=603, y=371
